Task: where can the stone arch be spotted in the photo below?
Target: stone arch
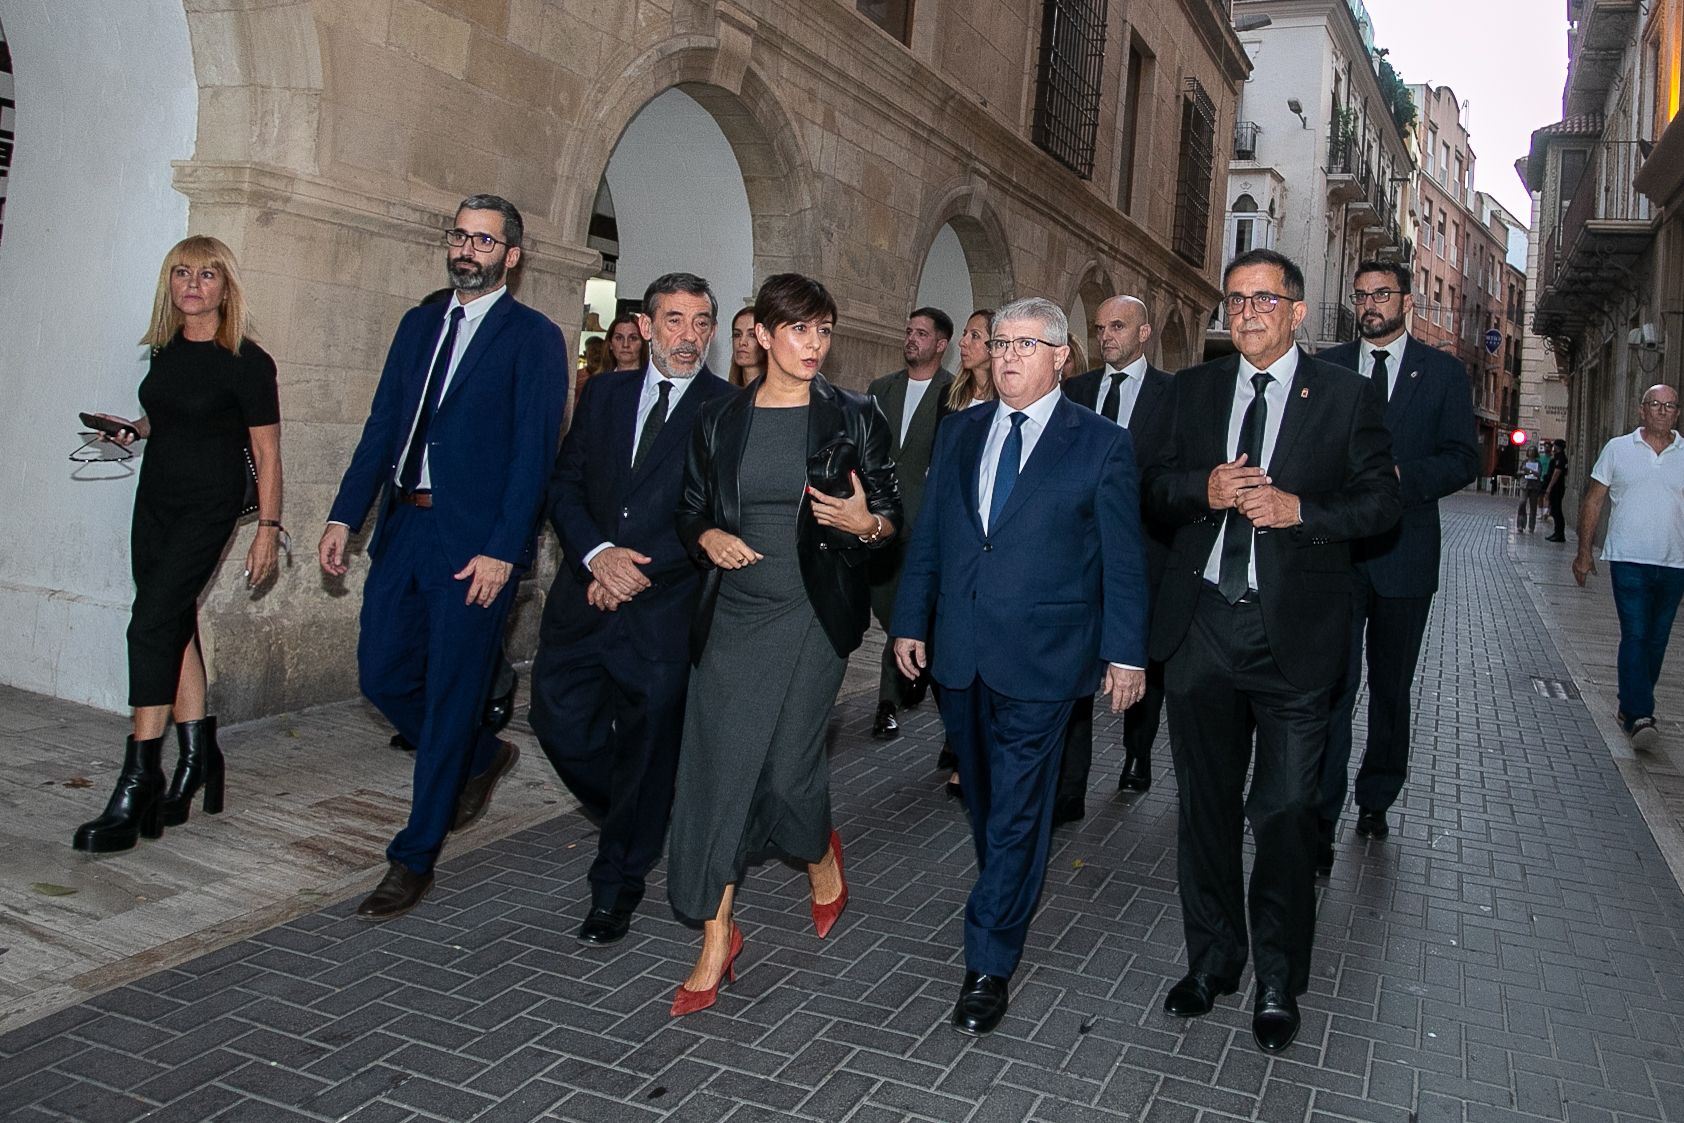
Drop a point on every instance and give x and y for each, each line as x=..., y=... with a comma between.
x=1175, y=347
x=1094, y=287
x=260, y=75
x=776, y=174
x=964, y=206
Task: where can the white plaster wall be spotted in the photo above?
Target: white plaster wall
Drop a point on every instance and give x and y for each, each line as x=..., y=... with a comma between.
x=89, y=215
x=945, y=283
x=680, y=205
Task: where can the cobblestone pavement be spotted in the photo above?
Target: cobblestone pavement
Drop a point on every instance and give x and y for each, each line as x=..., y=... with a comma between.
x=1510, y=953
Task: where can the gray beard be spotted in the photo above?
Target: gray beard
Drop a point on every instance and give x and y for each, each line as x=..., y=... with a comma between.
x=483, y=278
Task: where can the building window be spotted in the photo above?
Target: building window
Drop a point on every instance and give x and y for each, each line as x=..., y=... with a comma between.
x=1198, y=165
x=1245, y=225
x=1134, y=88
x=893, y=16
x=1067, y=84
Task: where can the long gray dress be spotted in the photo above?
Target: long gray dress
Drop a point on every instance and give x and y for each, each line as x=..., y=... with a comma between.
x=752, y=776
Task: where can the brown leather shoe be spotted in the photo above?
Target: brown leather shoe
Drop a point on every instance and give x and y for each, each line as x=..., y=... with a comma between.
x=476, y=793
x=398, y=892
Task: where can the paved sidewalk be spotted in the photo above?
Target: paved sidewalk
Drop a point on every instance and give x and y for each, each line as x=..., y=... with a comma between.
x=1511, y=953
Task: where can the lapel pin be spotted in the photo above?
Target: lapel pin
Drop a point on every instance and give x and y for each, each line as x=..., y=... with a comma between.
x=1304, y=393
x=1415, y=374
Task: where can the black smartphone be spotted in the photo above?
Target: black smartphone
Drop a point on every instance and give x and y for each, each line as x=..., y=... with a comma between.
x=105, y=424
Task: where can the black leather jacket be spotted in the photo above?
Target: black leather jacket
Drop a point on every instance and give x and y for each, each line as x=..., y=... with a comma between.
x=832, y=562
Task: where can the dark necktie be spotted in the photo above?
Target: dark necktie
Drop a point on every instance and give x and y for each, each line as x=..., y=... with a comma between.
x=410, y=478
x=1113, y=397
x=1379, y=374
x=1005, y=474
x=1235, y=573
x=652, y=424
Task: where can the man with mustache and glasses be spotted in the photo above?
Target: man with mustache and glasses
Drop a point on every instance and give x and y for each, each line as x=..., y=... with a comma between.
x=1429, y=412
x=457, y=446
x=1274, y=464
x=613, y=664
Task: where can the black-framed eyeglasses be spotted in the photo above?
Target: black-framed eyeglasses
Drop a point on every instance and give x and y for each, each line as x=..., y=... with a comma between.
x=1378, y=297
x=1023, y=345
x=1261, y=302
x=1664, y=407
x=484, y=243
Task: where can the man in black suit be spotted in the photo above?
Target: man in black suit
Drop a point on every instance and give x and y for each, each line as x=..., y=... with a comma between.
x=1275, y=463
x=913, y=400
x=609, y=679
x=1429, y=413
x=1136, y=395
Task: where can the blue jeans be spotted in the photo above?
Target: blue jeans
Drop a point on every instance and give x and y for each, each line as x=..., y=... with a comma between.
x=1646, y=597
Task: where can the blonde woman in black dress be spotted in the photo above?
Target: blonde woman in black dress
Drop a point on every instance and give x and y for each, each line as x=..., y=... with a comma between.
x=786, y=486
x=209, y=394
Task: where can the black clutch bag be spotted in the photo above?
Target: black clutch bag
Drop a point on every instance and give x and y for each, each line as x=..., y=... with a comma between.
x=829, y=469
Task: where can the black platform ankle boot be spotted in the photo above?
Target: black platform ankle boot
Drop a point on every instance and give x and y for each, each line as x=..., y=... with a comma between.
x=200, y=763
x=133, y=810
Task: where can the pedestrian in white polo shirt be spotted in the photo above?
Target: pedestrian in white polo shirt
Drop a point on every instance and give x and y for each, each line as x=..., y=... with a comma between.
x=1643, y=472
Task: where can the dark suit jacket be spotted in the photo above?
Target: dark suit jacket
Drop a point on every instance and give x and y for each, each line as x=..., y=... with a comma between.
x=912, y=464
x=1332, y=452
x=1149, y=428
x=832, y=562
x=595, y=497
x=491, y=443
x=1057, y=587
x=1430, y=416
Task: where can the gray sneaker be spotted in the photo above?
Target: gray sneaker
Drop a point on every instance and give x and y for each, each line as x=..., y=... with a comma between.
x=1644, y=735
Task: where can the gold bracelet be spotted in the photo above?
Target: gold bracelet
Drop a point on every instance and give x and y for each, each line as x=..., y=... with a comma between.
x=876, y=530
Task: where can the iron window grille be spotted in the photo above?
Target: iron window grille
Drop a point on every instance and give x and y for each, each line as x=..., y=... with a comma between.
x=1198, y=165
x=1067, y=84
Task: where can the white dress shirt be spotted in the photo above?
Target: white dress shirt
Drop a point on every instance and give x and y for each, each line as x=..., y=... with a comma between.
x=652, y=379
x=1394, y=360
x=1277, y=394
x=1038, y=413
x=473, y=314
x=1133, y=376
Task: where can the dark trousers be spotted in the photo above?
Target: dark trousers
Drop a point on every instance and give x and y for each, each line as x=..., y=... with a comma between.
x=1560, y=520
x=1646, y=598
x=425, y=660
x=1140, y=729
x=611, y=722
x=1394, y=627
x=1221, y=678
x=1526, y=517
x=892, y=686
x=1008, y=753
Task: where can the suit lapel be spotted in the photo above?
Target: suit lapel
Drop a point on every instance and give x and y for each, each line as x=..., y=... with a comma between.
x=893, y=406
x=921, y=430
x=1153, y=393
x=1300, y=397
x=970, y=458
x=622, y=423
x=676, y=430
x=484, y=335
x=1043, y=461
x=1408, y=381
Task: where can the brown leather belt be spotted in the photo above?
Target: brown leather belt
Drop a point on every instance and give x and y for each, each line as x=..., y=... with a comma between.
x=421, y=499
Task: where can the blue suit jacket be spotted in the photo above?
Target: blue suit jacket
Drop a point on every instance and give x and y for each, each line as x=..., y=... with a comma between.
x=595, y=497
x=491, y=443
x=1057, y=588
x=1434, y=444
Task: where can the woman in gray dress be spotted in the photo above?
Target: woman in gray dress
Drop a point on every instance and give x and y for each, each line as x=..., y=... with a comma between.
x=786, y=486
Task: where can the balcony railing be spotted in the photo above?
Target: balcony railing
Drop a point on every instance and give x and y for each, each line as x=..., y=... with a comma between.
x=1603, y=230
x=1245, y=140
x=1338, y=324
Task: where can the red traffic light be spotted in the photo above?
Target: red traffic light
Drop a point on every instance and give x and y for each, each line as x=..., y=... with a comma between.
x=1518, y=437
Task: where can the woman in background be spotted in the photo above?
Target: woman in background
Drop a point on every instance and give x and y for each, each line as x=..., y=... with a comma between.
x=208, y=396
x=748, y=359
x=626, y=349
x=975, y=381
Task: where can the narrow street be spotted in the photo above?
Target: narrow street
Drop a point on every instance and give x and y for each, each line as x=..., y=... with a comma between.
x=1512, y=952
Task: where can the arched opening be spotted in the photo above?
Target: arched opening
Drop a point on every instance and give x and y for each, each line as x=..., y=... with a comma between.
x=673, y=197
x=1174, y=349
x=1095, y=289
x=945, y=282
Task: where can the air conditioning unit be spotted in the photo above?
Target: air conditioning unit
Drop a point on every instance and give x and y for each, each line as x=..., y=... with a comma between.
x=1647, y=337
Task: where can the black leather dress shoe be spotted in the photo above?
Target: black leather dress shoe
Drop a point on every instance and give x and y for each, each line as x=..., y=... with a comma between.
x=605, y=926
x=401, y=743
x=884, y=725
x=1372, y=824
x=1274, y=1019
x=1137, y=775
x=1194, y=995
x=398, y=892
x=1070, y=809
x=476, y=793
x=947, y=760
x=982, y=1003
x=499, y=710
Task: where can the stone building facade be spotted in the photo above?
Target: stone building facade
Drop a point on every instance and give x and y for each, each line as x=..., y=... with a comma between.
x=1608, y=179
x=1056, y=147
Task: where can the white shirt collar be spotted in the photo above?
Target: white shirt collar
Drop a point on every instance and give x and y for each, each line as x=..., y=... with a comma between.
x=1281, y=370
x=1394, y=349
x=479, y=305
x=1136, y=369
x=1039, y=411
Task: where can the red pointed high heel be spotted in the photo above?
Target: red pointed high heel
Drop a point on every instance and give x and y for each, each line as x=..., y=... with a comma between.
x=824, y=916
x=688, y=1001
